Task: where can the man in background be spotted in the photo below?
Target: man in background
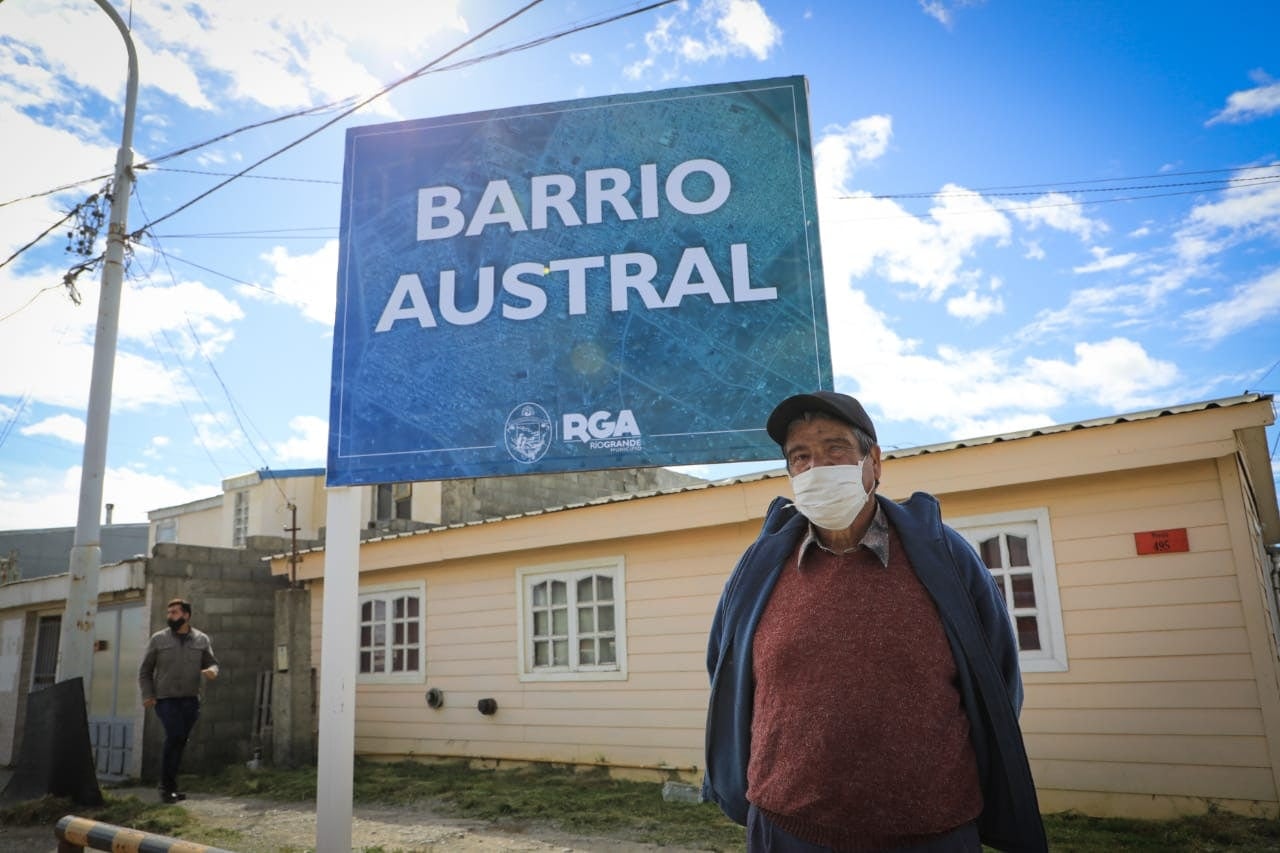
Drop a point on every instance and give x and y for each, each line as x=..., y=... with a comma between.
x=177, y=658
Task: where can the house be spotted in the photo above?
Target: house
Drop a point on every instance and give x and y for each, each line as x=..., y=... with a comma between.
x=47, y=551
x=211, y=551
x=1138, y=554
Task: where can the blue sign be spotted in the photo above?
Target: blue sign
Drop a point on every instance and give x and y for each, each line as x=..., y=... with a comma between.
x=623, y=281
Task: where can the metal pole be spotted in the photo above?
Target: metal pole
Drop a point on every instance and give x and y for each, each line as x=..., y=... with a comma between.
x=75, y=647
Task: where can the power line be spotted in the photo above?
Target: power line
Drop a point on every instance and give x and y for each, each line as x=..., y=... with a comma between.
x=341, y=115
x=233, y=174
x=1221, y=183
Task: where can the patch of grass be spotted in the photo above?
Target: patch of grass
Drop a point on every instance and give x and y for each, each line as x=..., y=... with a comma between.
x=1214, y=831
x=580, y=802
x=126, y=811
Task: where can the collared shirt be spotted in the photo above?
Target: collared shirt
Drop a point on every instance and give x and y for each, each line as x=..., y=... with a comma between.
x=876, y=540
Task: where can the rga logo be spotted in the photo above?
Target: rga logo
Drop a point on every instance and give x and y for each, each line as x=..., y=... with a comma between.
x=602, y=431
x=528, y=432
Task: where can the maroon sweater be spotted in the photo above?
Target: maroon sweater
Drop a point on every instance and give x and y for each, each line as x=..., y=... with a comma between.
x=859, y=739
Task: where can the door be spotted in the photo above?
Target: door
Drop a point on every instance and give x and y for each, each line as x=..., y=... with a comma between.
x=113, y=692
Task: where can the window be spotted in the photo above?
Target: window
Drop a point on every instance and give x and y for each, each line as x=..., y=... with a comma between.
x=393, y=500
x=572, y=621
x=167, y=530
x=391, y=634
x=1017, y=548
x=240, y=520
x=44, y=670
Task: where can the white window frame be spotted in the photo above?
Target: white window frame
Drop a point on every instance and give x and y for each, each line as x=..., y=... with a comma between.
x=571, y=573
x=240, y=518
x=387, y=593
x=1052, y=655
x=167, y=530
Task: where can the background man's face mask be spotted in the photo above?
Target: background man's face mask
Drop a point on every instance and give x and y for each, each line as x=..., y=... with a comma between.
x=831, y=496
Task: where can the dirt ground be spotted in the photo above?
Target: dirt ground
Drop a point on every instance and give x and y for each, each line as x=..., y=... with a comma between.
x=269, y=826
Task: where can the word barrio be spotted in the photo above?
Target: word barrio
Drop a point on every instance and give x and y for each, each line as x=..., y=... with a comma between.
x=623, y=281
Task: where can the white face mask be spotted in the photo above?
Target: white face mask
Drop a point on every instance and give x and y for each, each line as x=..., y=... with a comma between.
x=831, y=496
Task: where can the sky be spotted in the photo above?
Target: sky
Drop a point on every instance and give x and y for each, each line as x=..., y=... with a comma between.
x=1030, y=213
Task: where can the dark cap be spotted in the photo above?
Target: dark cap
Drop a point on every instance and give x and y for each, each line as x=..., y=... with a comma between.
x=839, y=406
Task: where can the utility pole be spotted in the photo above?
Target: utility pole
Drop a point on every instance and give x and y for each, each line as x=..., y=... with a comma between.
x=294, y=559
x=75, y=646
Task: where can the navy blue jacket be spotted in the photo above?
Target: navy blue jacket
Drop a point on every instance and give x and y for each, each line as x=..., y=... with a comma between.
x=978, y=629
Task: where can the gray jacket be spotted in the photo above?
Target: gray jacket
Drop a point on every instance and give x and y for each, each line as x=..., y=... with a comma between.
x=171, y=667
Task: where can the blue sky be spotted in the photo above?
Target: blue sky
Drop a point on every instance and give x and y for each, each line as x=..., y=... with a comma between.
x=1031, y=213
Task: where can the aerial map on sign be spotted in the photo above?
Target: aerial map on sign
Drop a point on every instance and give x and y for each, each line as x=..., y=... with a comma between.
x=613, y=282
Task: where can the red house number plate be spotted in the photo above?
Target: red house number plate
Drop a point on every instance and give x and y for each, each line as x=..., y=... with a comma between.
x=1162, y=541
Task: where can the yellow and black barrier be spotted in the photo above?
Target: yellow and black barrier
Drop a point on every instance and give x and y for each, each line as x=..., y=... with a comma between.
x=78, y=833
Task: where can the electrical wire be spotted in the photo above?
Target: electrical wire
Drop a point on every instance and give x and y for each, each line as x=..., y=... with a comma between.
x=341, y=115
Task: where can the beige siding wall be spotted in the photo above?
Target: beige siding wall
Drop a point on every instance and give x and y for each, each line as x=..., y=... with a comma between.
x=1160, y=706
x=653, y=719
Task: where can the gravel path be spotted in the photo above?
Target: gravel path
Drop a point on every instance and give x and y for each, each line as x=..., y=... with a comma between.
x=271, y=826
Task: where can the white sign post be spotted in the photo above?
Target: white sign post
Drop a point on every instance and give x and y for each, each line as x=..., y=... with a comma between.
x=338, y=643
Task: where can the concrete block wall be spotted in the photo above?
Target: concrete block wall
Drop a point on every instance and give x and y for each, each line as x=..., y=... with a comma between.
x=491, y=497
x=232, y=594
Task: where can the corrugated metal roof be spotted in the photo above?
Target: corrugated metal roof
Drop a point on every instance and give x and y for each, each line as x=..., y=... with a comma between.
x=1110, y=420
x=1146, y=414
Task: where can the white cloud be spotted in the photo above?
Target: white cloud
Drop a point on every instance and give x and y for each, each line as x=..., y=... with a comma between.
x=717, y=29
x=944, y=13
x=309, y=443
x=66, y=427
x=840, y=150
x=306, y=282
x=580, y=59
x=53, y=501
x=1249, y=304
x=1117, y=373
x=1248, y=104
x=1058, y=211
x=282, y=54
x=1104, y=261
x=974, y=306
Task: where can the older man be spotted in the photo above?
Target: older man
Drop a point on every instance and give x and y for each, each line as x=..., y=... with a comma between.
x=865, y=684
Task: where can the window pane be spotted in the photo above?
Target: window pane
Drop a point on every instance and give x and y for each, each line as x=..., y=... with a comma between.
x=397, y=660
x=586, y=619
x=608, y=652
x=398, y=634
x=1024, y=591
x=379, y=661
x=366, y=662
x=398, y=608
x=413, y=607
x=560, y=652
x=585, y=592
x=560, y=621
x=411, y=658
x=413, y=633
x=1028, y=634
x=586, y=652
x=366, y=611
x=540, y=623
x=605, y=613
x=541, y=653
x=379, y=609
x=1018, y=551
x=990, y=551
x=380, y=634
x=540, y=595
x=604, y=586
x=559, y=592
x=366, y=635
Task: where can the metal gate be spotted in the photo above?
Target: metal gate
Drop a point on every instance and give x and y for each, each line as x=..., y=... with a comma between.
x=120, y=637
